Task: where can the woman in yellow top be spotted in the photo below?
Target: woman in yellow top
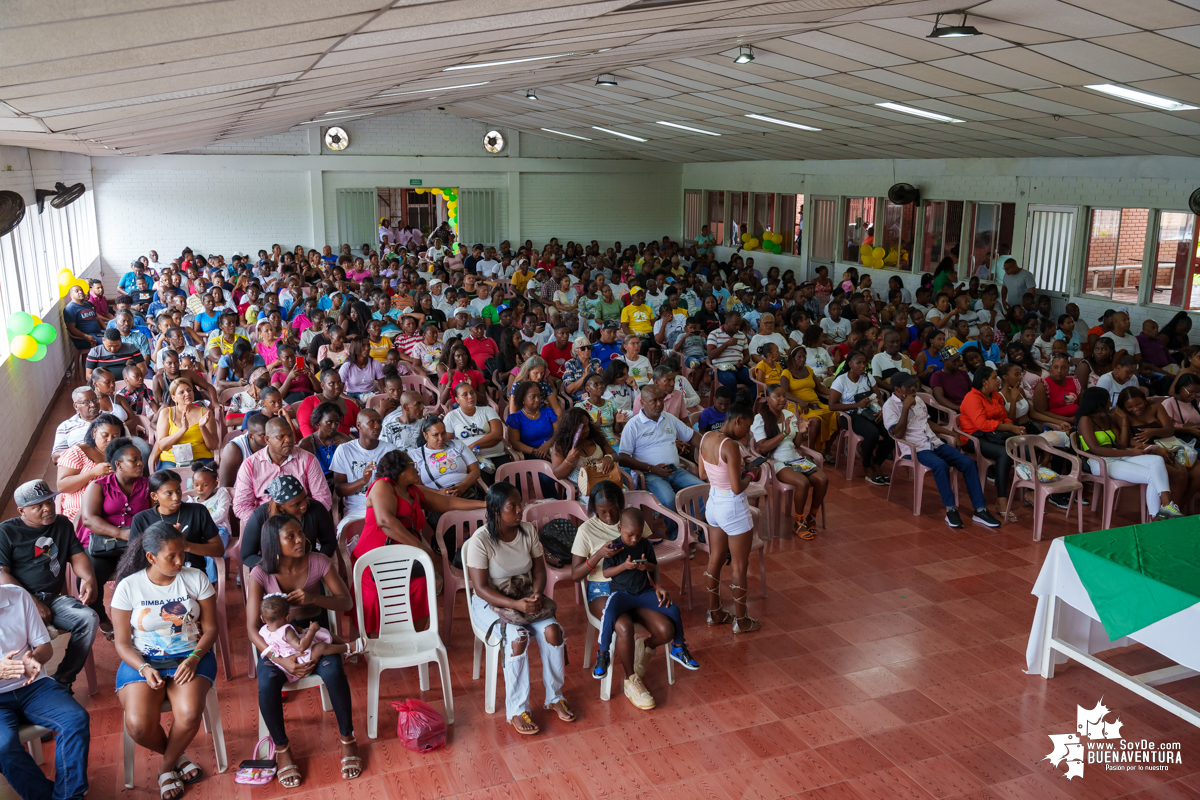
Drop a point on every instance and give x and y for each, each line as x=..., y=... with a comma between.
x=184, y=422
x=378, y=344
x=769, y=370
x=811, y=400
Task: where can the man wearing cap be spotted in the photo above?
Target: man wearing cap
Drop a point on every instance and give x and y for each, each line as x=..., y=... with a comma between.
x=951, y=383
x=287, y=496
x=279, y=457
x=576, y=371
x=608, y=348
x=907, y=419
x=35, y=548
x=456, y=326
x=480, y=347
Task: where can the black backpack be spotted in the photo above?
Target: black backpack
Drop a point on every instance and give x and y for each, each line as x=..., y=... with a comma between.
x=557, y=536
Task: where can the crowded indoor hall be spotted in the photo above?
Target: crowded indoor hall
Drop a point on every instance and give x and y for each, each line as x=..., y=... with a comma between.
x=348, y=397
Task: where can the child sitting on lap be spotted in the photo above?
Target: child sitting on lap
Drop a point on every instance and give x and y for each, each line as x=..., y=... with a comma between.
x=631, y=588
x=283, y=641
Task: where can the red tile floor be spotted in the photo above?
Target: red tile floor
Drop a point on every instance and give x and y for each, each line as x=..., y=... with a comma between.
x=890, y=665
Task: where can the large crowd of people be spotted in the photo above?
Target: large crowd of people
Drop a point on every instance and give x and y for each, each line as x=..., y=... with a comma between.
x=314, y=396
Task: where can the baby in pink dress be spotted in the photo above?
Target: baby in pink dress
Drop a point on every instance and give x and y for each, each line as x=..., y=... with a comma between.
x=283, y=640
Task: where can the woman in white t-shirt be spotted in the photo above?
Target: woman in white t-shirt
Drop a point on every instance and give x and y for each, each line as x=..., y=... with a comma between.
x=442, y=462
x=504, y=565
x=766, y=333
x=164, y=615
x=775, y=431
x=479, y=429
x=854, y=392
x=566, y=301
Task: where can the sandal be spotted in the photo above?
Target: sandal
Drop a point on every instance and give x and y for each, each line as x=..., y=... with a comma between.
x=289, y=777
x=563, y=711
x=184, y=765
x=356, y=648
x=804, y=527
x=351, y=765
x=524, y=725
x=169, y=782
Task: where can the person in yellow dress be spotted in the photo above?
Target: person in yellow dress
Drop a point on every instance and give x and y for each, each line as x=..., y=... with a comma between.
x=810, y=399
x=769, y=370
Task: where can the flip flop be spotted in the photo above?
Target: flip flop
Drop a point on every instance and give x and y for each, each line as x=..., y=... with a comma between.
x=169, y=782
x=184, y=765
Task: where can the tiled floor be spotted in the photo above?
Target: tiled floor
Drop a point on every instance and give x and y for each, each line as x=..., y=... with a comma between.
x=890, y=666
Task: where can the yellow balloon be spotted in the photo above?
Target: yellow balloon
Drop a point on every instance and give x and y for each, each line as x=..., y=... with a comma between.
x=36, y=319
x=436, y=191
x=777, y=238
x=877, y=263
x=420, y=191
x=879, y=252
x=65, y=279
x=23, y=346
x=752, y=244
x=83, y=285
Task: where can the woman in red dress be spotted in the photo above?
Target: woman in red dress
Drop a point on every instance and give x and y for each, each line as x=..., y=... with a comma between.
x=396, y=503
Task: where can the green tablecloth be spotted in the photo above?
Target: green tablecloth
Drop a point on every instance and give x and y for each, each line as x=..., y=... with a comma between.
x=1137, y=575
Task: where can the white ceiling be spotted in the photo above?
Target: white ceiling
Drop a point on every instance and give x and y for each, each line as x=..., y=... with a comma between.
x=135, y=77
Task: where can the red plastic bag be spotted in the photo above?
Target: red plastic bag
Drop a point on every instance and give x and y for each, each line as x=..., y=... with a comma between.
x=420, y=727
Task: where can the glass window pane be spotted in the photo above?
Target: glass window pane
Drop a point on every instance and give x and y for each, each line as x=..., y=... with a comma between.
x=739, y=215
x=791, y=206
x=1116, y=246
x=899, y=230
x=1176, y=262
x=716, y=216
x=860, y=227
x=822, y=227
x=764, y=214
x=943, y=227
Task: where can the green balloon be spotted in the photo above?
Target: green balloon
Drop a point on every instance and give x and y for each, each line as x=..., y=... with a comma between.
x=45, y=333
x=20, y=323
x=38, y=354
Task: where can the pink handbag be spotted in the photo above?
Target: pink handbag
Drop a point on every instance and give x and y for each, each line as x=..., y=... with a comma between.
x=258, y=773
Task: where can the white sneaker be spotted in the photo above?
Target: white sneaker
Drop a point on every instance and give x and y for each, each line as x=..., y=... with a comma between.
x=642, y=656
x=637, y=694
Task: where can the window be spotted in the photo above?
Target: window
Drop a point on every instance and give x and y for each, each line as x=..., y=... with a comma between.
x=1115, y=249
x=478, y=219
x=1049, y=235
x=691, y=214
x=716, y=216
x=860, y=227
x=822, y=228
x=990, y=235
x=898, y=232
x=791, y=221
x=739, y=216
x=1176, y=261
x=943, y=227
x=764, y=215
x=419, y=210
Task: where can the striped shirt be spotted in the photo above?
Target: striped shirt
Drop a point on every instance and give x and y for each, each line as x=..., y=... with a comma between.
x=734, y=353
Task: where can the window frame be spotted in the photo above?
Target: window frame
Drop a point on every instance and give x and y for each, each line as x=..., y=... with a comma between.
x=1149, y=245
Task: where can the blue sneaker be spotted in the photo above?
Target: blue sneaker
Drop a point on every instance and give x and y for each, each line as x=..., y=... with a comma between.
x=684, y=658
x=601, y=668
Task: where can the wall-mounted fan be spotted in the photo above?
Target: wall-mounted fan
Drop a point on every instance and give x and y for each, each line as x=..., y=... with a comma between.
x=1194, y=202
x=904, y=193
x=61, y=197
x=337, y=139
x=12, y=211
x=493, y=141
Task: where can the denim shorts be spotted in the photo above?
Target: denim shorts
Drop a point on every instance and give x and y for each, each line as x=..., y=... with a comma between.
x=207, y=668
x=598, y=589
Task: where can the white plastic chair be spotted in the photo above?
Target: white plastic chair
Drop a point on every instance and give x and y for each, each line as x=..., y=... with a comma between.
x=492, y=665
x=399, y=644
x=31, y=737
x=212, y=724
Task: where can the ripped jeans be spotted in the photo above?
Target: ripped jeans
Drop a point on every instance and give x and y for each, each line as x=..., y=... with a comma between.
x=516, y=667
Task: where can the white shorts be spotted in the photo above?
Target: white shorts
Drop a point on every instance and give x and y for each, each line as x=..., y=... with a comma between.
x=728, y=511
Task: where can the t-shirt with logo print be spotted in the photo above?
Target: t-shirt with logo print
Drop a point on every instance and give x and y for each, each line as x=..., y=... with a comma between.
x=468, y=430
x=37, y=557
x=441, y=469
x=164, y=619
x=351, y=459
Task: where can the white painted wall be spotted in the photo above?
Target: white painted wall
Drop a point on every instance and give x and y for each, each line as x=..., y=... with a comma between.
x=27, y=387
x=1153, y=182
x=606, y=207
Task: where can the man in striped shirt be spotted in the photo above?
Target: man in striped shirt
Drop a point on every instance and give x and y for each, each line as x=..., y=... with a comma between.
x=113, y=354
x=728, y=350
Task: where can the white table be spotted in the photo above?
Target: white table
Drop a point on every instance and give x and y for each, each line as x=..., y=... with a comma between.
x=1066, y=625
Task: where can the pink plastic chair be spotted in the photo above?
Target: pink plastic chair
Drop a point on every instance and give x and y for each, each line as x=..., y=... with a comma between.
x=541, y=513
x=919, y=472
x=419, y=383
x=524, y=475
x=1024, y=450
x=463, y=523
x=1109, y=485
x=666, y=551
x=687, y=503
x=847, y=445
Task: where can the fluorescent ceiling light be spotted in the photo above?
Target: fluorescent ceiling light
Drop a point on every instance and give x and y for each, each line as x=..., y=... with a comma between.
x=686, y=128
x=745, y=55
x=1146, y=99
x=952, y=31
x=343, y=111
x=531, y=95
x=507, y=61
x=917, y=112
x=438, y=89
x=568, y=135
x=618, y=133
x=337, y=119
x=783, y=122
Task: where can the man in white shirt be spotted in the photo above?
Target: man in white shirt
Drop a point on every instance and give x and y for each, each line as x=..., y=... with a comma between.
x=1121, y=377
x=649, y=446
x=905, y=417
x=488, y=267
x=1123, y=343
x=354, y=463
